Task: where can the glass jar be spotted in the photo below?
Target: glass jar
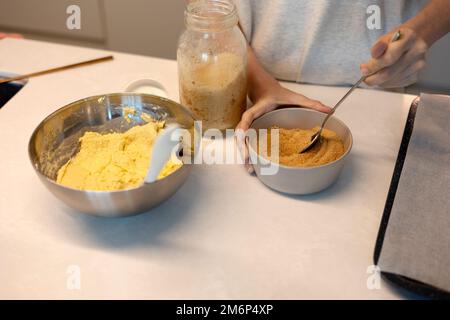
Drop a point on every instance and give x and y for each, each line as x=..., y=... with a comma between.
x=212, y=64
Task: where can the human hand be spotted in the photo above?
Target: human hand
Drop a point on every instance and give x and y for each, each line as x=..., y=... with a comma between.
x=274, y=96
x=10, y=35
x=396, y=64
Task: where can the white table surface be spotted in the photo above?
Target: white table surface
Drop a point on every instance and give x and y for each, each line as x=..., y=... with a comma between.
x=223, y=235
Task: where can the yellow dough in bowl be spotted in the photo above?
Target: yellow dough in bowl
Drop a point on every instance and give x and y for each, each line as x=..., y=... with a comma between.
x=114, y=161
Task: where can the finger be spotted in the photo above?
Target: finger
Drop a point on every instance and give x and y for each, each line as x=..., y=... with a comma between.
x=15, y=35
x=242, y=146
x=404, y=79
x=392, y=54
x=249, y=168
x=407, y=77
x=380, y=47
x=248, y=164
x=10, y=35
x=402, y=82
x=248, y=116
x=295, y=98
x=254, y=112
x=315, y=105
x=397, y=70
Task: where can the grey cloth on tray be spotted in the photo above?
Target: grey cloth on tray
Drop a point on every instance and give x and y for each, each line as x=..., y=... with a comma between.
x=417, y=239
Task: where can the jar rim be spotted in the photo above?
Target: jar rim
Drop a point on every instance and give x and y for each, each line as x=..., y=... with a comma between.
x=211, y=15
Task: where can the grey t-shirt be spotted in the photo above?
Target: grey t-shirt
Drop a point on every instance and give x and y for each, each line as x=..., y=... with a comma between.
x=319, y=41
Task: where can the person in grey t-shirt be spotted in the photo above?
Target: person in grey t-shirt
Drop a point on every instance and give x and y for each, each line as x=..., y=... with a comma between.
x=333, y=43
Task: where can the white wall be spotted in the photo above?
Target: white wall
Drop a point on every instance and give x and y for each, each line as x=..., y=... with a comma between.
x=46, y=19
x=149, y=27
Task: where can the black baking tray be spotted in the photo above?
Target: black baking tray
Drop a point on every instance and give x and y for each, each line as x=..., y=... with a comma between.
x=9, y=90
x=409, y=284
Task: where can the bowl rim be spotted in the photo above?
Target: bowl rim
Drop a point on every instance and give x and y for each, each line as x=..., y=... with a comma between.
x=67, y=106
x=99, y=96
x=302, y=109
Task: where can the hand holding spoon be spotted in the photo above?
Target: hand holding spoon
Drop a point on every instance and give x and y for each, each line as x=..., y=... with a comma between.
x=315, y=138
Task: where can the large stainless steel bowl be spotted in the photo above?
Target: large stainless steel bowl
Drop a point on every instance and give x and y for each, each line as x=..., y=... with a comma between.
x=299, y=180
x=55, y=141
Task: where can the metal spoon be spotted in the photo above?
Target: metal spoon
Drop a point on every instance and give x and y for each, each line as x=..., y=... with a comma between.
x=315, y=138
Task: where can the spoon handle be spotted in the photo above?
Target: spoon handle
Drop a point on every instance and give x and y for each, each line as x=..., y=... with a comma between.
x=342, y=100
x=395, y=37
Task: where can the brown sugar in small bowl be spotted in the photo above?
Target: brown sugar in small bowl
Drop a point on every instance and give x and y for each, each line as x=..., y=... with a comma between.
x=299, y=180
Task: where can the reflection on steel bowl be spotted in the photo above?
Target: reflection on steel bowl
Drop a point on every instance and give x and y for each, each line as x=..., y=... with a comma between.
x=56, y=140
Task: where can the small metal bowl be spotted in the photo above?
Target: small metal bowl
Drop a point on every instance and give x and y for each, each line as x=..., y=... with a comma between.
x=299, y=180
x=55, y=141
